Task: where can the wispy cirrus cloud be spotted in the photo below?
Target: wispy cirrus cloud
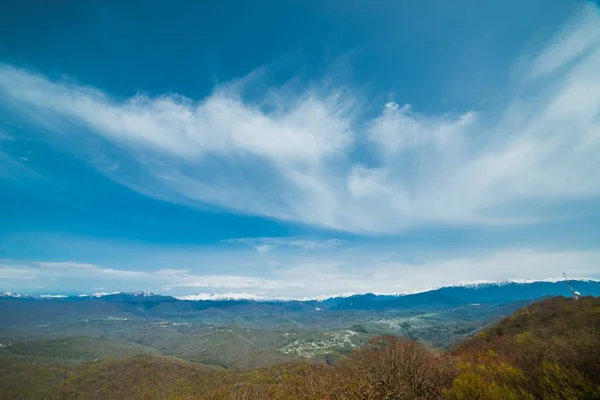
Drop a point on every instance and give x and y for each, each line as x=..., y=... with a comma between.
x=14, y=269
x=165, y=279
x=263, y=244
x=12, y=166
x=314, y=157
x=581, y=35
x=235, y=282
x=65, y=265
x=172, y=272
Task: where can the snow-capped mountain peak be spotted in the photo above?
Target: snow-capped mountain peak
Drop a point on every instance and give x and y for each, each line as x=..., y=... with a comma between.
x=144, y=293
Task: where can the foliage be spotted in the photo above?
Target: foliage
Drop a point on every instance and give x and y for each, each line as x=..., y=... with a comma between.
x=488, y=379
x=392, y=368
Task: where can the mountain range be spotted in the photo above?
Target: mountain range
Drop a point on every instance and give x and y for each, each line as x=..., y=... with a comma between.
x=470, y=293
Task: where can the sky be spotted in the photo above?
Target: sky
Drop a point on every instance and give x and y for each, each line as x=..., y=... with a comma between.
x=297, y=148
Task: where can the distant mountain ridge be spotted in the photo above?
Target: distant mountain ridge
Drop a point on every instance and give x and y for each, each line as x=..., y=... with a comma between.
x=497, y=292
x=461, y=294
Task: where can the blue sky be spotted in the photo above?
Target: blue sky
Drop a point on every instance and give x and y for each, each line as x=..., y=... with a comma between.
x=297, y=148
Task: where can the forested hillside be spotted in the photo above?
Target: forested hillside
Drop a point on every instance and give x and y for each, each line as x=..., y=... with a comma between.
x=547, y=350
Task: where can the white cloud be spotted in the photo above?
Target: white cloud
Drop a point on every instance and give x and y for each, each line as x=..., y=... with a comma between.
x=577, y=37
x=342, y=273
x=65, y=265
x=20, y=269
x=301, y=158
x=8, y=272
x=123, y=273
x=314, y=274
x=223, y=296
x=264, y=244
x=398, y=129
x=171, y=272
x=236, y=282
x=262, y=248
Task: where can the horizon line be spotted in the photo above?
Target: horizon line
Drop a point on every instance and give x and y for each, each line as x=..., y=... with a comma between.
x=206, y=296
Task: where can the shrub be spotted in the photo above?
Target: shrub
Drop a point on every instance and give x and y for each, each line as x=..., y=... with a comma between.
x=393, y=368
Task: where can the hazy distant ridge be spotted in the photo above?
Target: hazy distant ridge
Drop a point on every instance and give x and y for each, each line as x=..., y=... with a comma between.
x=464, y=293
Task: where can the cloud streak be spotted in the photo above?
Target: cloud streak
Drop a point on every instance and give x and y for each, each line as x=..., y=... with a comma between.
x=312, y=275
x=314, y=157
x=264, y=244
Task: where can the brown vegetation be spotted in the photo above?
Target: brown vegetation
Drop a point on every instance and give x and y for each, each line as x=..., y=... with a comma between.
x=391, y=368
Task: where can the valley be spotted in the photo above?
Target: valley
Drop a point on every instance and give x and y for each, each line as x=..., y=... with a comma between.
x=244, y=334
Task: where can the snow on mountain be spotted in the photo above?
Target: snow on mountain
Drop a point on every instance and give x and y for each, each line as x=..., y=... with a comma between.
x=253, y=297
x=228, y=296
x=15, y=295
x=144, y=293
x=103, y=294
x=477, y=284
x=521, y=281
x=135, y=294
